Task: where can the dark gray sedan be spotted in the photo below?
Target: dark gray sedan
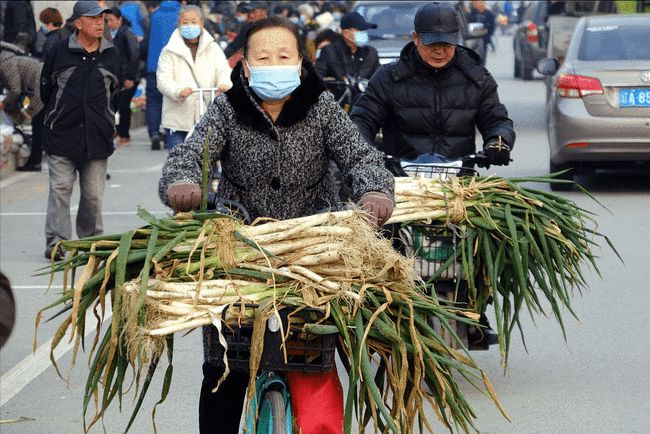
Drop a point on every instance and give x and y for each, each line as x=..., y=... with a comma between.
x=598, y=110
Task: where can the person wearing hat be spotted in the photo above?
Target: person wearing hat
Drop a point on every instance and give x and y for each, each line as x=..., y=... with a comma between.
x=79, y=86
x=255, y=11
x=431, y=101
x=350, y=58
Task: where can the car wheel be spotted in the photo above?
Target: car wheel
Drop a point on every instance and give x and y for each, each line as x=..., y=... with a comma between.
x=517, y=71
x=525, y=70
x=517, y=68
x=568, y=176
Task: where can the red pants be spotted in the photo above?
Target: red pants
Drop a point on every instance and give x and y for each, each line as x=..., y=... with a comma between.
x=316, y=402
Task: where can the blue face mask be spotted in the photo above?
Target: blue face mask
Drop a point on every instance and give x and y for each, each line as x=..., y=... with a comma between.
x=241, y=18
x=318, y=53
x=361, y=38
x=295, y=20
x=337, y=16
x=273, y=83
x=113, y=33
x=190, y=31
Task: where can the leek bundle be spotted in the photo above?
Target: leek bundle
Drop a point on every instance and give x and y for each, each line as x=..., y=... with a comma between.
x=517, y=245
x=179, y=273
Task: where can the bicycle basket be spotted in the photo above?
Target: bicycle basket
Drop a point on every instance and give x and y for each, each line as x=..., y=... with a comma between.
x=431, y=246
x=305, y=352
x=436, y=171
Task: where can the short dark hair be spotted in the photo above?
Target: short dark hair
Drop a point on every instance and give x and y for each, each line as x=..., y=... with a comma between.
x=326, y=35
x=116, y=12
x=51, y=16
x=274, y=21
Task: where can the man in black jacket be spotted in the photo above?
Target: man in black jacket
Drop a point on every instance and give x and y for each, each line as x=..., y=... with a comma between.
x=126, y=43
x=431, y=100
x=349, y=58
x=79, y=86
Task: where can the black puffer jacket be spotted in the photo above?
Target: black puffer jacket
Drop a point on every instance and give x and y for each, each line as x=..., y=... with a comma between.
x=126, y=44
x=423, y=110
x=79, y=90
x=279, y=169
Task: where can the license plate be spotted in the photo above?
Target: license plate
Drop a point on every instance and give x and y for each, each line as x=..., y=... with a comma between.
x=634, y=97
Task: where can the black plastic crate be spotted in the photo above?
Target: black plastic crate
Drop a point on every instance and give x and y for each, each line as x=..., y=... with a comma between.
x=431, y=246
x=305, y=352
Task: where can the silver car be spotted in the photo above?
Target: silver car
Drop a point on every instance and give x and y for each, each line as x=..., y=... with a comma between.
x=598, y=108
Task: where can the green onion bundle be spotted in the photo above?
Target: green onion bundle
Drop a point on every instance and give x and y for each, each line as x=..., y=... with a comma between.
x=177, y=274
x=517, y=245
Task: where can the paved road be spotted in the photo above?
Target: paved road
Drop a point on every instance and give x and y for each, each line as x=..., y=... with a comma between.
x=596, y=382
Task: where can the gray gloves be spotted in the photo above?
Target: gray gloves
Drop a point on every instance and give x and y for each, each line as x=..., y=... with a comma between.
x=497, y=151
x=379, y=207
x=184, y=196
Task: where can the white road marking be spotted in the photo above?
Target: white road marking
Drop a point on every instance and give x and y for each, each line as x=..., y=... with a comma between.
x=156, y=168
x=42, y=213
x=14, y=179
x=15, y=380
x=36, y=287
x=115, y=185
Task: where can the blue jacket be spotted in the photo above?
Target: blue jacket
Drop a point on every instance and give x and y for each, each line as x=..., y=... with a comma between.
x=133, y=11
x=162, y=24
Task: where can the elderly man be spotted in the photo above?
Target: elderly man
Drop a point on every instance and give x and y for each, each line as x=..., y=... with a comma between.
x=350, y=58
x=430, y=102
x=79, y=86
x=255, y=11
x=434, y=97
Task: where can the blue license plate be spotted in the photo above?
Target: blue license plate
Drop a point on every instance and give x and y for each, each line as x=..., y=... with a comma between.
x=634, y=97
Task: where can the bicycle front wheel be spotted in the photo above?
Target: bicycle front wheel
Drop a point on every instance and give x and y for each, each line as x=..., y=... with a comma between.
x=273, y=414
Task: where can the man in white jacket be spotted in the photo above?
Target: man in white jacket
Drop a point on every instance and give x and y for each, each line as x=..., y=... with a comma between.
x=191, y=60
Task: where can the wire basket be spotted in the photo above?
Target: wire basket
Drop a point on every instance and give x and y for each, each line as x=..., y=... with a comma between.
x=305, y=352
x=433, y=247
x=435, y=171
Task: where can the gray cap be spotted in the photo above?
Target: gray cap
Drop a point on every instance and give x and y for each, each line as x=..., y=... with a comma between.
x=437, y=22
x=86, y=8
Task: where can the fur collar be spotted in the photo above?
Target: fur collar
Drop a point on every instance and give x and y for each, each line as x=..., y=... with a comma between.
x=247, y=104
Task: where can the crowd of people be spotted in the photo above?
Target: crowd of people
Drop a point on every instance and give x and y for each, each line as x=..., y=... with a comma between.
x=78, y=73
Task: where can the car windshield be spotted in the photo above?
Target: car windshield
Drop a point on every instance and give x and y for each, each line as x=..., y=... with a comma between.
x=392, y=20
x=615, y=42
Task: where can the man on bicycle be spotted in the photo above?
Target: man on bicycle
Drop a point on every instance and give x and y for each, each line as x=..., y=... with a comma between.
x=350, y=58
x=431, y=100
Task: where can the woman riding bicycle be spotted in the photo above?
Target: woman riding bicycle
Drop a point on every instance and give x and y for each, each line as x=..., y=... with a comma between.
x=274, y=132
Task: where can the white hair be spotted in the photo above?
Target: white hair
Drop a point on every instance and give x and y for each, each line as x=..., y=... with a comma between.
x=191, y=8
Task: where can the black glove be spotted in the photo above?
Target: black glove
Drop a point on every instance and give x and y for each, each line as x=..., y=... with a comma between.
x=497, y=151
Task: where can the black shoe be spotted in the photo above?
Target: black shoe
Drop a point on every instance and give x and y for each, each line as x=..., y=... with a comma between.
x=29, y=168
x=155, y=143
x=108, y=176
x=58, y=256
x=482, y=337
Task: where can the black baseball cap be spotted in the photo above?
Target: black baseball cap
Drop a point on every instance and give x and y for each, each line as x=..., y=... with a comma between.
x=86, y=8
x=251, y=6
x=437, y=22
x=354, y=20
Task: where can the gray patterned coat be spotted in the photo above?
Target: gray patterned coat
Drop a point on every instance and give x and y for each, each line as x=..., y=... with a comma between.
x=21, y=76
x=281, y=169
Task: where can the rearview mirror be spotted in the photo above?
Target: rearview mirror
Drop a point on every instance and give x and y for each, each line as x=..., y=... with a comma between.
x=476, y=30
x=548, y=66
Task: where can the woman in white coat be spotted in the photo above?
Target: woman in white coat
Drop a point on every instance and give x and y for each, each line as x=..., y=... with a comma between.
x=191, y=60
